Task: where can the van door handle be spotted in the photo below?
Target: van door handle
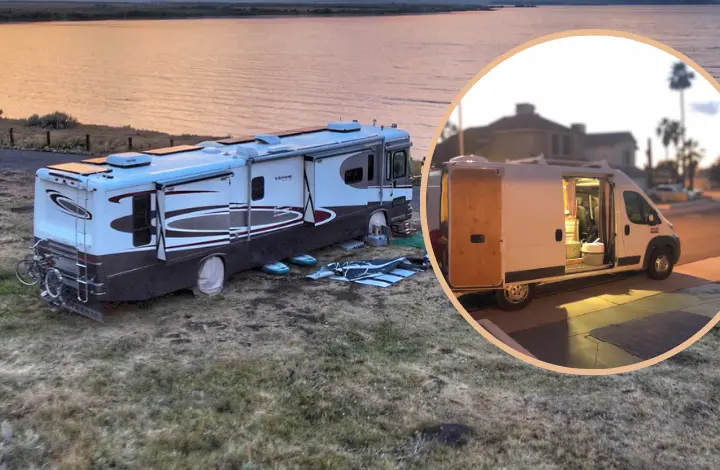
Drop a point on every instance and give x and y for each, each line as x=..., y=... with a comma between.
x=627, y=229
x=558, y=235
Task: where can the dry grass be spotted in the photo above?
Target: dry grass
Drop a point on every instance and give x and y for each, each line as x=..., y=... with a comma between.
x=103, y=139
x=283, y=372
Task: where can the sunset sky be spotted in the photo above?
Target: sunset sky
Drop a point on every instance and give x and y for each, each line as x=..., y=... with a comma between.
x=607, y=83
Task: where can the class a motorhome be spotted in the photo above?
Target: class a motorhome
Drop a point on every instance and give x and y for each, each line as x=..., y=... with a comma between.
x=137, y=225
x=507, y=227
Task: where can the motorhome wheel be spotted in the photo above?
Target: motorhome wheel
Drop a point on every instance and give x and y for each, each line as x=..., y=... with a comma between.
x=513, y=297
x=377, y=220
x=211, y=277
x=660, y=265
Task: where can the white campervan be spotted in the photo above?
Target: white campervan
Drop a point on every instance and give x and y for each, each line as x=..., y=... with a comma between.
x=507, y=226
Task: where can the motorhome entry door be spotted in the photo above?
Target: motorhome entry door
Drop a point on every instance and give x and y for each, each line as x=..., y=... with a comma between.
x=474, y=228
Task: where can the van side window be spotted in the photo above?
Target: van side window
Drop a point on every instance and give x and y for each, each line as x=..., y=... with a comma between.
x=258, y=188
x=388, y=166
x=141, y=220
x=636, y=207
x=354, y=175
x=399, y=164
x=371, y=167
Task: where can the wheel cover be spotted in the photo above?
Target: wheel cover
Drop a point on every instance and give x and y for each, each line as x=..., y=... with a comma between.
x=211, y=276
x=661, y=263
x=517, y=294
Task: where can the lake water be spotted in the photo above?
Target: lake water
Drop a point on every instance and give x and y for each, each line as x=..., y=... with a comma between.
x=239, y=76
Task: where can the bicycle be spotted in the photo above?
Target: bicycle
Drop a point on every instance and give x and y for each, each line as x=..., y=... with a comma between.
x=33, y=268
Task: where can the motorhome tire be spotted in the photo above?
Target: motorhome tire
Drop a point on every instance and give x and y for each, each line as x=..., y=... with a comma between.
x=377, y=219
x=515, y=297
x=660, y=264
x=210, y=277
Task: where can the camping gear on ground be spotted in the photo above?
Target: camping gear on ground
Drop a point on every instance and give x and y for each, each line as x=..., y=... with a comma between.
x=593, y=253
x=277, y=268
x=302, y=260
x=415, y=241
x=377, y=240
x=379, y=273
x=350, y=245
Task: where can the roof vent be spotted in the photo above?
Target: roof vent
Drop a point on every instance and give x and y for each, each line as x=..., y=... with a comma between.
x=128, y=159
x=212, y=150
x=343, y=126
x=246, y=152
x=279, y=148
x=268, y=139
x=210, y=143
x=393, y=125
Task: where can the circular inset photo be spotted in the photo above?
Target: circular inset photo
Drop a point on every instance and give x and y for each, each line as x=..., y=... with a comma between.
x=571, y=202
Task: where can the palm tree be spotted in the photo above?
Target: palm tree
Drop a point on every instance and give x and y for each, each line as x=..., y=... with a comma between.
x=680, y=80
x=671, y=132
x=691, y=155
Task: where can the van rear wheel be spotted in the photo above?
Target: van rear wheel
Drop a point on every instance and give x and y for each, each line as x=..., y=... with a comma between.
x=515, y=297
x=210, y=278
x=660, y=264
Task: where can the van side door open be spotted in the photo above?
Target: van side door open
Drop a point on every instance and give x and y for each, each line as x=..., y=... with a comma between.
x=475, y=228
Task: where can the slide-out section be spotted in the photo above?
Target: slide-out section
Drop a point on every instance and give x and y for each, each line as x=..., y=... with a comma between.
x=192, y=214
x=475, y=228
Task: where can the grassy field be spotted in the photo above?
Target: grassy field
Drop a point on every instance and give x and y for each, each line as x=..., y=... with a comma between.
x=88, y=11
x=284, y=372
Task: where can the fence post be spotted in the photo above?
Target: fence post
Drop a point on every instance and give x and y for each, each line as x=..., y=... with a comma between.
x=87, y=142
x=172, y=143
x=47, y=135
x=129, y=143
x=12, y=137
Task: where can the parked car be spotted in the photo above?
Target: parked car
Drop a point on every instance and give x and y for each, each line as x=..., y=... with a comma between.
x=669, y=193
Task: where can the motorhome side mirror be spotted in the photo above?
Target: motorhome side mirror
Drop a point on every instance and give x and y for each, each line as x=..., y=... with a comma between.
x=653, y=218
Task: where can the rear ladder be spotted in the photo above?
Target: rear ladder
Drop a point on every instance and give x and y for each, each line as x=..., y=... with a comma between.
x=81, y=261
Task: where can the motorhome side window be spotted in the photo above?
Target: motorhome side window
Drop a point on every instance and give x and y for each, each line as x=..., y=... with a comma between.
x=636, y=207
x=258, y=188
x=354, y=175
x=371, y=167
x=399, y=164
x=388, y=166
x=141, y=220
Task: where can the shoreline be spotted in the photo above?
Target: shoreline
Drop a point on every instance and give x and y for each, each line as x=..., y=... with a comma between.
x=46, y=12
x=103, y=139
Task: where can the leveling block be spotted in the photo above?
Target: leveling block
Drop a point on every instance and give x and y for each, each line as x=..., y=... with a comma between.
x=303, y=260
x=277, y=268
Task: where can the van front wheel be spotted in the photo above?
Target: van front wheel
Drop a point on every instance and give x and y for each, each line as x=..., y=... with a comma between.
x=660, y=264
x=513, y=297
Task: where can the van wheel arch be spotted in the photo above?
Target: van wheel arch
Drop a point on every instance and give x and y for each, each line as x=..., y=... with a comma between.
x=662, y=242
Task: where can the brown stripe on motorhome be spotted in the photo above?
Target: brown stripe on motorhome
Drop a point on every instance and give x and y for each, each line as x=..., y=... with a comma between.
x=117, y=199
